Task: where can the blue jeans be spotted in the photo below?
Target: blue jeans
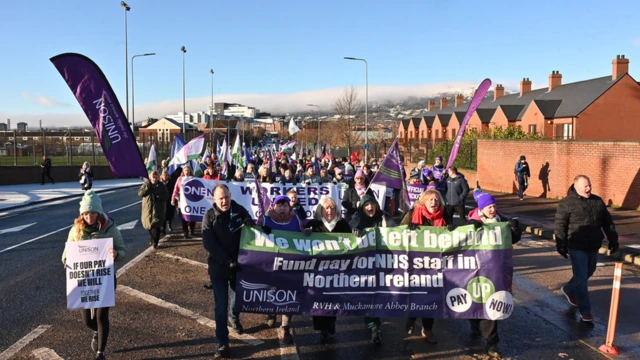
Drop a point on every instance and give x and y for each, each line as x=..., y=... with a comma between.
x=583, y=264
x=224, y=296
x=521, y=186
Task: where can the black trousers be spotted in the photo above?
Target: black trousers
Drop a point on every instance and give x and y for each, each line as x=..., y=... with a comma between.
x=186, y=225
x=99, y=323
x=170, y=213
x=489, y=329
x=325, y=323
x=460, y=210
x=47, y=174
x=155, y=235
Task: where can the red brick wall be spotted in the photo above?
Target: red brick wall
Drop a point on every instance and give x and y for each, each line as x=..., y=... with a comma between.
x=614, y=167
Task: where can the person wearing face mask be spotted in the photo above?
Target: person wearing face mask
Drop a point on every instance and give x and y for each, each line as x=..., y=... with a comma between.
x=281, y=216
x=429, y=210
x=487, y=213
x=370, y=215
x=327, y=219
x=93, y=223
x=221, y=227
x=154, y=197
x=357, y=189
x=581, y=221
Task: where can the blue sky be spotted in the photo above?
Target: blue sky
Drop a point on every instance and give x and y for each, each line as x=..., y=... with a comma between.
x=272, y=50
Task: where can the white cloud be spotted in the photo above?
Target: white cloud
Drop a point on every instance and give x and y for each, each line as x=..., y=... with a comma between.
x=42, y=100
x=274, y=103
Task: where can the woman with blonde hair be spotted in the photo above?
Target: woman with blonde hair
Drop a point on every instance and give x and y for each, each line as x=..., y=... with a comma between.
x=93, y=223
x=429, y=210
x=86, y=176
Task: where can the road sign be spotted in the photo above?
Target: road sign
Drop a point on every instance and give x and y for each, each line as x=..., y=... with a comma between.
x=367, y=147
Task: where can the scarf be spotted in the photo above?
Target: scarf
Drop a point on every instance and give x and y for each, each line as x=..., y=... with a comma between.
x=420, y=213
x=330, y=225
x=486, y=220
x=360, y=189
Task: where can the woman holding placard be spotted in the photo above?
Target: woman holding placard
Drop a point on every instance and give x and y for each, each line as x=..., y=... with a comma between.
x=93, y=223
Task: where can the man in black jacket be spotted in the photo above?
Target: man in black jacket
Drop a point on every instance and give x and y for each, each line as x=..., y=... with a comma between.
x=45, y=169
x=221, y=227
x=581, y=218
x=457, y=191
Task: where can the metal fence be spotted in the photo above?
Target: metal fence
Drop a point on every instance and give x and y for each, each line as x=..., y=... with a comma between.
x=414, y=151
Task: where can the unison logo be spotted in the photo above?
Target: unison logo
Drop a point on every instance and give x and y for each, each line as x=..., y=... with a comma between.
x=108, y=132
x=267, y=293
x=83, y=250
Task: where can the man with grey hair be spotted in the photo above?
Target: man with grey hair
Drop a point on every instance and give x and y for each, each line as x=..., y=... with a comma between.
x=580, y=220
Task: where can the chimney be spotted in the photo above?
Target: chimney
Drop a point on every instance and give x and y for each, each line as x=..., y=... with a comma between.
x=525, y=86
x=443, y=103
x=459, y=99
x=8, y=124
x=555, y=79
x=620, y=66
x=498, y=92
x=432, y=105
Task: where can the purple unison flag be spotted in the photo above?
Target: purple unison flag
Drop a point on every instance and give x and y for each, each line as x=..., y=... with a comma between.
x=96, y=97
x=475, y=102
x=263, y=201
x=391, y=172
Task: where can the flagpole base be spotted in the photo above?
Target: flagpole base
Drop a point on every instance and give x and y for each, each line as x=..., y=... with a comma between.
x=609, y=349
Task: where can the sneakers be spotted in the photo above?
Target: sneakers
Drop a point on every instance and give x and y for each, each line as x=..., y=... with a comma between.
x=271, y=320
x=236, y=326
x=408, y=327
x=494, y=351
x=208, y=286
x=586, y=317
x=94, y=341
x=286, y=335
x=222, y=352
x=376, y=339
x=570, y=299
x=100, y=356
x=429, y=336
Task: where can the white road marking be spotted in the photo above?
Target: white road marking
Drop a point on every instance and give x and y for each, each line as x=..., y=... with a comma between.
x=186, y=313
x=128, y=226
x=188, y=261
x=16, y=229
x=34, y=239
x=46, y=354
x=135, y=260
x=126, y=206
x=15, y=348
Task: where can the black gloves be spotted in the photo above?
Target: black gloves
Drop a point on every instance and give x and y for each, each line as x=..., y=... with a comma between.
x=413, y=226
x=356, y=232
x=266, y=230
x=613, y=246
x=450, y=227
x=563, y=250
x=514, y=224
x=247, y=222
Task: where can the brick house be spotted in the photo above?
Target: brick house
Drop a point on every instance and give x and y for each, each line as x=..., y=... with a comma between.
x=164, y=129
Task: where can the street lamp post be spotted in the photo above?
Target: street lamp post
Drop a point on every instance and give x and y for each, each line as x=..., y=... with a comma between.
x=184, y=106
x=318, y=121
x=211, y=110
x=133, y=93
x=366, y=106
x=126, y=8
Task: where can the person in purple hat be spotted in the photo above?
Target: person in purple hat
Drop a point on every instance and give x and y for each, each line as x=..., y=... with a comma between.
x=487, y=213
x=281, y=216
x=440, y=176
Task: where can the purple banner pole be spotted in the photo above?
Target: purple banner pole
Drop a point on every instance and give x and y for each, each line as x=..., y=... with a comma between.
x=96, y=97
x=475, y=102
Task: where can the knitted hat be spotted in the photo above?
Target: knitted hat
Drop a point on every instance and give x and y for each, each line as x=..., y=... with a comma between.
x=439, y=157
x=337, y=170
x=280, y=198
x=483, y=199
x=366, y=198
x=90, y=202
x=421, y=163
x=359, y=173
x=431, y=186
x=426, y=172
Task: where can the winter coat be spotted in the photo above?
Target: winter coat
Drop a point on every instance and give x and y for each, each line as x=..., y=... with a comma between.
x=221, y=238
x=317, y=225
x=154, y=204
x=306, y=179
x=300, y=211
x=350, y=200
x=88, y=174
x=580, y=221
x=475, y=219
x=361, y=221
x=176, y=189
x=522, y=170
x=457, y=190
x=448, y=217
x=107, y=230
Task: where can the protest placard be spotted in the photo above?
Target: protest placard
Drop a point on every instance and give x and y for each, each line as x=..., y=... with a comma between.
x=90, y=274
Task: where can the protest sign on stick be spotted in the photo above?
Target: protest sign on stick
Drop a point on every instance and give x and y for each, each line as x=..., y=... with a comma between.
x=90, y=274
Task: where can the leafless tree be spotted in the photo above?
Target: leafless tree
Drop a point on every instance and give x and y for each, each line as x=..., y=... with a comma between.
x=348, y=107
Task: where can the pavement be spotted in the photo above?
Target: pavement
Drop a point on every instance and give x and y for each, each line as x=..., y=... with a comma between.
x=23, y=195
x=163, y=311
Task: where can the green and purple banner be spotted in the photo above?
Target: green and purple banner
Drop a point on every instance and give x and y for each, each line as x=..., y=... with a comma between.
x=387, y=272
x=96, y=97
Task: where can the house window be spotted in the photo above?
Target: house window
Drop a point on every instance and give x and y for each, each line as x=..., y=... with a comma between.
x=532, y=129
x=564, y=131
